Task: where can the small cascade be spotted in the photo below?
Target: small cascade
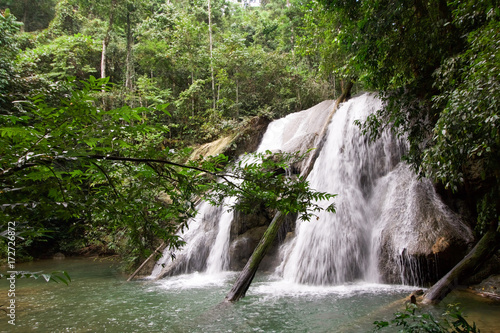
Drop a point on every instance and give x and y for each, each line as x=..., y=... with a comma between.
x=200, y=236
x=218, y=259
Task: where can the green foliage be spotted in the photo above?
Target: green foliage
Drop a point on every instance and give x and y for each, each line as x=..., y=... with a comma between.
x=67, y=21
x=467, y=132
x=436, y=67
x=413, y=320
x=66, y=56
x=51, y=169
x=35, y=14
x=8, y=50
x=75, y=163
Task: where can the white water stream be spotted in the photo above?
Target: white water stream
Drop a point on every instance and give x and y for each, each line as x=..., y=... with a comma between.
x=381, y=208
x=337, y=248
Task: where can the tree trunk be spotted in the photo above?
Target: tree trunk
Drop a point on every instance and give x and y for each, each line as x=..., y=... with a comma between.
x=322, y=136
x=346, y=87
x=130, y=41
x=146, y=261
x=106, y=39
x=484, y=249
x=246, y=276
x=237, y=99
x=211, y=53
x=25, y=16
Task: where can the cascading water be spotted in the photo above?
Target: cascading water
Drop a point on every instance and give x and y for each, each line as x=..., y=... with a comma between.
x=207, y=239
x=336, y=248
x=385, y=216
x=387, y=220
x=199, y=238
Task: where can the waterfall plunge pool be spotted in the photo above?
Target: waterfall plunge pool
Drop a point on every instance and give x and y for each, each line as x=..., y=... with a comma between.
x=100, y=300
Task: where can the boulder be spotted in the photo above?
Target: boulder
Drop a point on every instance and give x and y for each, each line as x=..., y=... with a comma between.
x=421, y=239
x=489, y=288
x=244, y=222
x=58, y=256
x=243, y=246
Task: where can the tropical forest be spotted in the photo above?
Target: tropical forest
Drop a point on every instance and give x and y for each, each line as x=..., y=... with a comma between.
x=249, y=166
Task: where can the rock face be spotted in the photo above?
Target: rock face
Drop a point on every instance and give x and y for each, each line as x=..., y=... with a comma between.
x=421, y=238
x=242, y=247
x=247, y=139
x=246, y=232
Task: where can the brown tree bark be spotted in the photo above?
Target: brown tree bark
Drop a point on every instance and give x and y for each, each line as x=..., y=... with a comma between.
x=484, y=249
x=346, y=87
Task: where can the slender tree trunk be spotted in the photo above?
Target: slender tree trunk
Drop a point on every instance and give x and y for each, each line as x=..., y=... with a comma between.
x=103, y=57
x=218, y=92
x=106, y=39
x=130, y=67
x=192, y=96
x=346, y=87
x=487, y=246
x=247, y=274
x=25, y=16
x=211, y=52
x=334, y=87
x=158, y=249
x=237, y=99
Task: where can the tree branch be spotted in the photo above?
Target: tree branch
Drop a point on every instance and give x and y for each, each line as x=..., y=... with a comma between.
x=148, y=160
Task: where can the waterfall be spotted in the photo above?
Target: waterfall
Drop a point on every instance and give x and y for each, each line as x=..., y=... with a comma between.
x=336, y=248
x=386, y=221
x=207, y=239
x=389, y=226
x=218, y=259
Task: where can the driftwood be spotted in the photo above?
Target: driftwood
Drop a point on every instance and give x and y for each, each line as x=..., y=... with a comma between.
x=146, y=261
x=484, y=249
x=246, y=276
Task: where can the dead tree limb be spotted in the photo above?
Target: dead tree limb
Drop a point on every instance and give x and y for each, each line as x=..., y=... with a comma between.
x=146, y=261
x=246, y=276
x=484, y=249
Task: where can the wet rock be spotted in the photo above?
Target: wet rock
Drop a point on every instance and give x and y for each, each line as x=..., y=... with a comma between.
x=244, y=222
x=243, y=246
x=58, y=256
x=421, y=239
x=489, y=288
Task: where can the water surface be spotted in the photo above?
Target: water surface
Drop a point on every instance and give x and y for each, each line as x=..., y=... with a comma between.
x=100, y=300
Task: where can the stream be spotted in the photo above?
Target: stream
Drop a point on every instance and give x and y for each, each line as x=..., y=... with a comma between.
x=100, y=300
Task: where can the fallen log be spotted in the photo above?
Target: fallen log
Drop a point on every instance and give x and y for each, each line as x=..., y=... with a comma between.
x=484, y=249
x=247, y=274
x=145, y=262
